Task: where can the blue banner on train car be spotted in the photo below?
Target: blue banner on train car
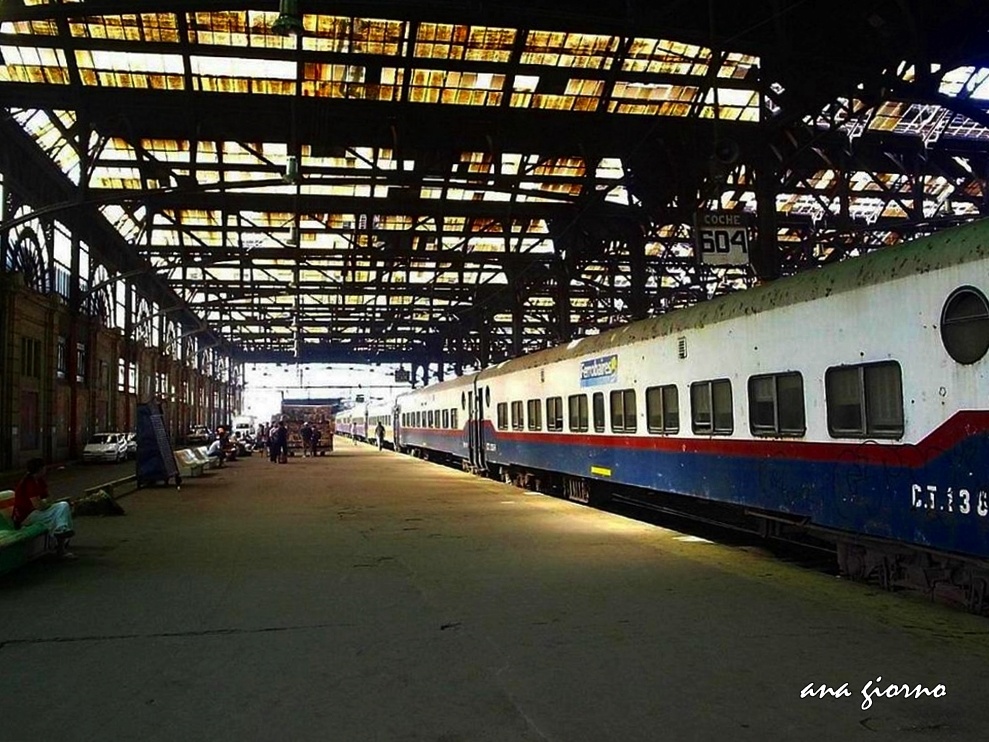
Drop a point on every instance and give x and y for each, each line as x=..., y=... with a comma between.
x=598, y=371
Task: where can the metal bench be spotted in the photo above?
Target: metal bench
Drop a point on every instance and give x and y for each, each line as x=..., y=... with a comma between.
x=189, y=464
x=18, y=545
x=210, y=462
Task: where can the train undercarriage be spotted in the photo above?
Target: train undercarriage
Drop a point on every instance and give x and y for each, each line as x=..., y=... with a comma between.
x=951, y=578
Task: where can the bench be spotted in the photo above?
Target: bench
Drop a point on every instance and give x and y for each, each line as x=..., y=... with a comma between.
x=18, y=545
x=210, y=462
x=188, y=463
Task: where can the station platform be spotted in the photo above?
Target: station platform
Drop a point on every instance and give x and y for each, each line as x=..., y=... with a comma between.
x=367, y=595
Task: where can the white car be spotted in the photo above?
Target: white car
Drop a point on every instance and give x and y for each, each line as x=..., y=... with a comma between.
x=131, y=439
x=106, y=447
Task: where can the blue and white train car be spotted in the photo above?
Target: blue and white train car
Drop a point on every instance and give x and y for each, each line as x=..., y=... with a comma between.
x=852, y=401
x=433, y=420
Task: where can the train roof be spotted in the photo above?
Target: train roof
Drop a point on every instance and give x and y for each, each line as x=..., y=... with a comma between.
x=946, y=248
x=442, y=385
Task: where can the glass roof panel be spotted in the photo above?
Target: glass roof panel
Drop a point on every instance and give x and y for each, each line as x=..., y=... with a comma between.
x=457, y=88
x=33, y=64
x=240, y=75
x=659, y=56
x=49, y=131
x=738, y=66
x=652, y=99
x=239, y=28
x=130, y=27
x=41, y=27
x=131, y=69
x=480, y=43
x=328, y=33
x=562, y=49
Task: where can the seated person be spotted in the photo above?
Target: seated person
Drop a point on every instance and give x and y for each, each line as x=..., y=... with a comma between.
x=31, y=505
x=216, y=449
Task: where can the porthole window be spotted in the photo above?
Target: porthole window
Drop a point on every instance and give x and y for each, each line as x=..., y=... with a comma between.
x=965, y=325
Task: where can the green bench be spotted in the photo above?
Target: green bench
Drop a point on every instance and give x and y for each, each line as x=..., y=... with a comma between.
x=18, y=545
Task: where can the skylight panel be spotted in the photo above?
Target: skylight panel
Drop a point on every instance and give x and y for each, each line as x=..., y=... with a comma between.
x=130, y=69
x=41, y=27
x=456, y=88
x=476, y=43
x=48, y=134
x=326, y=33
x=730, y=104
x=561, y=49
x=237, y=28
x=157, y=27
x=610, y=168
x=652, y=99
x=243, y=75
x=737, y=66
x=33, y=64
x=658, y=56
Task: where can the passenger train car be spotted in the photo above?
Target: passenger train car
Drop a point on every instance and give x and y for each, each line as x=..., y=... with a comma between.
x=851, y=402
x=360, y=422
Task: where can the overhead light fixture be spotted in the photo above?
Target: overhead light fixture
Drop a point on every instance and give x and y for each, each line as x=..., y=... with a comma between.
x=291, y=170
x=289, y=21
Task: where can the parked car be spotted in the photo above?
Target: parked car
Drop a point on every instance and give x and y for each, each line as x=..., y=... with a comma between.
x=131, y=439
x=199, y=435
x=105, y=447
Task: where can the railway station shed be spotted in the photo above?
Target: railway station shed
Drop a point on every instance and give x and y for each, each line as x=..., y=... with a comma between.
x=191, y=188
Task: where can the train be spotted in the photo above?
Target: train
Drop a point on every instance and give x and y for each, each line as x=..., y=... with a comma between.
x=848, y=404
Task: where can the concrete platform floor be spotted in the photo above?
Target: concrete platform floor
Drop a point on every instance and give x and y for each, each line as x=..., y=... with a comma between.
x=371, y=596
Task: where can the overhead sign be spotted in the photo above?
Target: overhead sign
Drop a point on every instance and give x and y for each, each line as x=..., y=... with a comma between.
x=722, y=237
x=598, y=371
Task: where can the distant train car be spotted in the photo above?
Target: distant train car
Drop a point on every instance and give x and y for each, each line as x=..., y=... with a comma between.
x=433, y=420
x=851, y=402
x=352, y=423
x=383, y=412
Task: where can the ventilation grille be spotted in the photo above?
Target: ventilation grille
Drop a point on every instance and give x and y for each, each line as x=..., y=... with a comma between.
x=681, y=348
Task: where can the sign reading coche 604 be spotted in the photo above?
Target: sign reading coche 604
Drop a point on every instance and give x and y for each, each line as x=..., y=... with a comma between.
x=722, y=237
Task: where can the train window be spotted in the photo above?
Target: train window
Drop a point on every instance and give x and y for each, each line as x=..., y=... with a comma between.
x=623, y=411
x=463, y=400
x=965, y=325
x=487, y=396
x=578, y=413
x=554, y=413
x=453, y=419
x=437, y=419
x=865, y=401
x=598, y=412
x=446, y=418
x=710, y=407
x=663, y=409
x=776, y=405
x=503, y=416
x=535, y=414
x=518, y=420
x=419, y=419
x=430, y=419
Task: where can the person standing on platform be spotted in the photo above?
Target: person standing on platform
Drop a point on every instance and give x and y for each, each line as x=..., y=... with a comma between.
x=314, y=441
x=274, y=446
x=31, y=505
x=279, y=443
x=379, y=433
x=306, y=434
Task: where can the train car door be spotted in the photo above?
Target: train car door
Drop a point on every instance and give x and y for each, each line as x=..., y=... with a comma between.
x=396, y=427
x=475, y=425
